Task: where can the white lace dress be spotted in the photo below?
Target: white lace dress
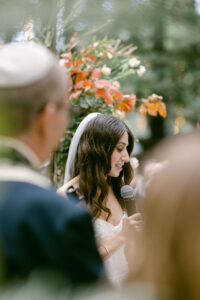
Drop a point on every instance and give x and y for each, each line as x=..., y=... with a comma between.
x=116, y=265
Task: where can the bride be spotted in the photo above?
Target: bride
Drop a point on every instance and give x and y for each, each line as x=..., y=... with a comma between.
x=98, y=163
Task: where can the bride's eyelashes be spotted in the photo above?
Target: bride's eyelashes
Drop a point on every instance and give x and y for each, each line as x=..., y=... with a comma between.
x=119, y=149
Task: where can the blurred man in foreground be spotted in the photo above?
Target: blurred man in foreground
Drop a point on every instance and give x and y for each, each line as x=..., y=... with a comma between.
x=38, y=229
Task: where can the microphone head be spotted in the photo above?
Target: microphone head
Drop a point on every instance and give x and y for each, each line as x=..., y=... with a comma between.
x=127, y=192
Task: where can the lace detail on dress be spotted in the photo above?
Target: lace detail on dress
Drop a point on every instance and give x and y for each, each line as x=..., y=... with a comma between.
x=116, y=265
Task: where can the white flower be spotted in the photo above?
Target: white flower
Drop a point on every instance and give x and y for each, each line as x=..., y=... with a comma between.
x=134, y=62
x=141, y=71
x=105, y=70
x=119, y=114
x=134, y=162
x=95, y=44
x=110, y=56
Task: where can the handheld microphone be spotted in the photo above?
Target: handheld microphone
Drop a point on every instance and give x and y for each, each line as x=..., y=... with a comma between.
x=128, y=194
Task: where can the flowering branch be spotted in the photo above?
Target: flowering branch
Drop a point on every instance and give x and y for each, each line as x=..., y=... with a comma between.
x=94, y=73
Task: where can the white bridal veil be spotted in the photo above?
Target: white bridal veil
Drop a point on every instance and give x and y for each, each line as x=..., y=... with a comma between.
x=74, y=145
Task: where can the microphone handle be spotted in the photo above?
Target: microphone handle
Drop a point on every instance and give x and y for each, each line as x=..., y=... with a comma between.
x=130, y=206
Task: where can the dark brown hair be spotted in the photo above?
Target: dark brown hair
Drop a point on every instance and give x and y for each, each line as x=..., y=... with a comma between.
x=93, y=161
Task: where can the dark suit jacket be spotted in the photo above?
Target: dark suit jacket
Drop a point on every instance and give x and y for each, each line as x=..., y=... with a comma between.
x=40, y=229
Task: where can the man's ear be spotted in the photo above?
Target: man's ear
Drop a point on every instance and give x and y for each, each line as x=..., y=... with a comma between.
x=46, y=119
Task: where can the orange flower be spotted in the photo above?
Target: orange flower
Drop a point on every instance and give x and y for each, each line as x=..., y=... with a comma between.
x=151, y=108
x=76, y=70
x=89, y=83
x=121, y=106
x=78, y=62
x=80, y=76
x=117, y=95
x=99, y=93
x=105, y=94
x=92, y=57
x=162, y=109
x=154, y=105
x=128, y=104
x=68, y=64
x=142, y=109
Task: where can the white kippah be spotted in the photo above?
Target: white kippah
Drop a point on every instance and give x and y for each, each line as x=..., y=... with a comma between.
x=23, y=63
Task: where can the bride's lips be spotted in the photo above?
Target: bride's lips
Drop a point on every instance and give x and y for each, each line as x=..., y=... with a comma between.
x=119, y=166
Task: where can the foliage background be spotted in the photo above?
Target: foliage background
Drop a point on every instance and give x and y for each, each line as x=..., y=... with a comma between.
x=167, y=36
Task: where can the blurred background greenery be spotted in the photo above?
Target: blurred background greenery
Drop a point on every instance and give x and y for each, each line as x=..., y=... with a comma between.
x=168, y=40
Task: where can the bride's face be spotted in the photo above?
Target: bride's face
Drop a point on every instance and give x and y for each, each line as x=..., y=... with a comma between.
x=119, y=156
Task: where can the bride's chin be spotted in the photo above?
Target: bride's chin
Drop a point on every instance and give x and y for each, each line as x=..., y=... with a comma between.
x=116, y=174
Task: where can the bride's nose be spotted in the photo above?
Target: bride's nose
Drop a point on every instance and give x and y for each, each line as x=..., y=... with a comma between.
x=125, y=156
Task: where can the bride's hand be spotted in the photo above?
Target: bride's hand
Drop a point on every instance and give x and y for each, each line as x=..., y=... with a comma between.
x=132, y=226
x=62, y=190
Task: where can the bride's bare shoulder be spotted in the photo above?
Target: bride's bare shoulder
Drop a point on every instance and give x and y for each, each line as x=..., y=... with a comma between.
x=73, y=182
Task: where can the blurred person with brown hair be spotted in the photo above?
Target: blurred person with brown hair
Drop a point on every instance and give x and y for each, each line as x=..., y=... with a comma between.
x=38, y=228
x=168, y=253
